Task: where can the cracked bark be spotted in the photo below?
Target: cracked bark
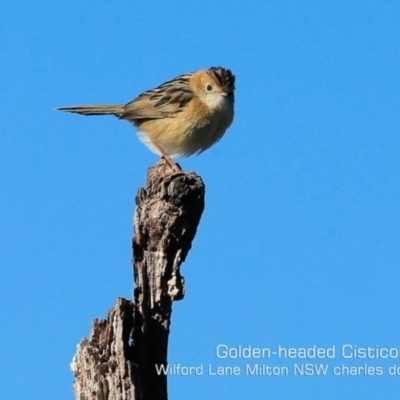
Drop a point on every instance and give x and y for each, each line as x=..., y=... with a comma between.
x=122, y=357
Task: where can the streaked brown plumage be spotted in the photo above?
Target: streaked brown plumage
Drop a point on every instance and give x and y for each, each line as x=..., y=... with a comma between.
x=181, y=117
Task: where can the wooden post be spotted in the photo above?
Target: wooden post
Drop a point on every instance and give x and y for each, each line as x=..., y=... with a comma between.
x=124, y=357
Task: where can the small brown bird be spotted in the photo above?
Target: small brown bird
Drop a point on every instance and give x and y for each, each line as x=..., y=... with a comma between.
x=181, y=117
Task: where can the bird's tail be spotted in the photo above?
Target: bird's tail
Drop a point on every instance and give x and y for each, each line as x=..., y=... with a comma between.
x=94, y=110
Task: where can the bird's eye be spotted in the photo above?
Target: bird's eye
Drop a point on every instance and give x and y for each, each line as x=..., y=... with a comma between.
x=208, y=87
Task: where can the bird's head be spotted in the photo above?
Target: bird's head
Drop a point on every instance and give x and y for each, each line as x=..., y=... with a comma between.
x=214, y=86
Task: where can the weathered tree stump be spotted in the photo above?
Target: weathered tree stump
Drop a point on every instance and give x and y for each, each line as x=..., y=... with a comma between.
x=103, y=365
x=122, y=359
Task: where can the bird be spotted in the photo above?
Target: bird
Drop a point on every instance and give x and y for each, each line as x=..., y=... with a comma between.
x=181, y=117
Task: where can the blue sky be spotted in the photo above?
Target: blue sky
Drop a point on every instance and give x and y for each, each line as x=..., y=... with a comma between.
x=299, y=242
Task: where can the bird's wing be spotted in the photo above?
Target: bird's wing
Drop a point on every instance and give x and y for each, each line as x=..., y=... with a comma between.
x=165, y=101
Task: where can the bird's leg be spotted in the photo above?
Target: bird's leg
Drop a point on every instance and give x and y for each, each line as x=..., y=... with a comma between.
x=171, y=163
x=175, y=167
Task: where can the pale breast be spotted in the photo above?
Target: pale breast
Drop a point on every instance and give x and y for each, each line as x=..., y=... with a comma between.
x=189, y=134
